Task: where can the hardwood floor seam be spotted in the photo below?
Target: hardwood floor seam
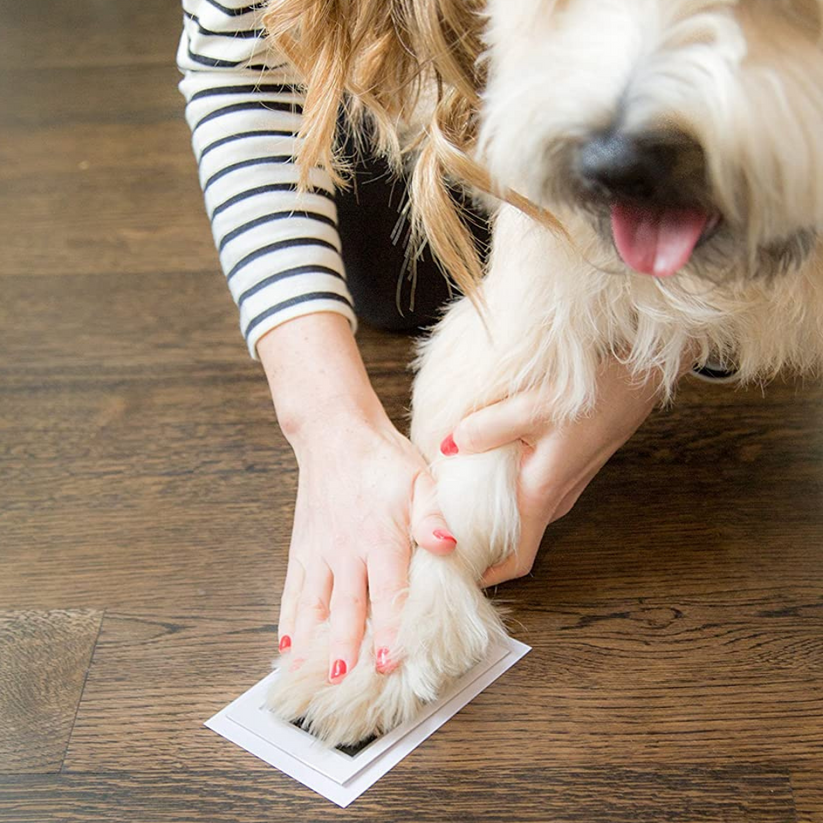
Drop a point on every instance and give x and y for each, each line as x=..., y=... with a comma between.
x=82, y=691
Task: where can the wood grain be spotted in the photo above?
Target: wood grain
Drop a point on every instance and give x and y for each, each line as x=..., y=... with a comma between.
x=676, y=614
x=687, y=685
x=454, y=793
x=45, y=658
x=67, y=35
x=807, y=788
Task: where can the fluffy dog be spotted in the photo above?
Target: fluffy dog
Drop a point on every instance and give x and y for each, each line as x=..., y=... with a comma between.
x=660, y=167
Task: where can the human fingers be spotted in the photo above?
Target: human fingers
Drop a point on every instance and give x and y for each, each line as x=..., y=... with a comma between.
x=545, y=494
x=568, y=502
x=428, y=526
x=520, y=562
x=288, y=605
x=312, y=608
x=388, y=569
x=347, y=619
x=509, y=569
x=493, y=426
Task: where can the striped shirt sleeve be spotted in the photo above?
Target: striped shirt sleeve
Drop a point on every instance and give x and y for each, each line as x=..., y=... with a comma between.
x=279, y=249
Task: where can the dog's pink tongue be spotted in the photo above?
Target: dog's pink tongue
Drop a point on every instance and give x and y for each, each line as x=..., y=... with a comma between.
x=656, y=242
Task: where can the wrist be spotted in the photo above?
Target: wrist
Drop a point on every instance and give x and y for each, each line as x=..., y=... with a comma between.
x=340, y=425
x=317, y=379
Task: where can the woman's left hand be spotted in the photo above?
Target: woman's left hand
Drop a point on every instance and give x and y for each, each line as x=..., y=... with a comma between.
x=559, y=461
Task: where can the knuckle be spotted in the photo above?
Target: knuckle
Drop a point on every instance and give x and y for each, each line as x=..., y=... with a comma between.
x=523, y=569
x=347, y=602
x=469, y=434
x=285, y=617
x=290, y=596
x=385, y=596
x=295, y=571
x=543, y=493
x=345, y=638
x=314, y=606
x=372, y=534
x=530, y=407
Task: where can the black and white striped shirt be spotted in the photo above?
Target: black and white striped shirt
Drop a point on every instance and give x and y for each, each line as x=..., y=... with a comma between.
x=279, y=250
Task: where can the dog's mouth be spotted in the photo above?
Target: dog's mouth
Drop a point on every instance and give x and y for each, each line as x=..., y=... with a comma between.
x=660, y=241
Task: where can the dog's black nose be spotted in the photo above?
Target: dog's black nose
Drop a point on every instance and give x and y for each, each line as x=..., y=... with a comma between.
x=618, y=166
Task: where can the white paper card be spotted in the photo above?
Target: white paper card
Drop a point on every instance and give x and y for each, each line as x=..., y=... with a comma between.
x=338, y=776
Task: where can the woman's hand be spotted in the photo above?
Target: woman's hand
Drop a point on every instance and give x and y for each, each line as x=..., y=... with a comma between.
x=559, y=461
x=364, y=492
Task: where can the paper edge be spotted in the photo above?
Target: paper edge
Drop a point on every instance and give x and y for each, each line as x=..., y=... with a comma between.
x=332, y=764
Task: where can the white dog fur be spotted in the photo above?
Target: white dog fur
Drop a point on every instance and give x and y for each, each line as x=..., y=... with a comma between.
x=745, y=80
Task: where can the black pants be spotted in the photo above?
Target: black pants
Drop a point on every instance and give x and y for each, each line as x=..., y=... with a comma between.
x=384, y=293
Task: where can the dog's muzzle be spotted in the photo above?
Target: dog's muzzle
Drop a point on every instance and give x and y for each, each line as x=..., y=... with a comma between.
x=654, y=186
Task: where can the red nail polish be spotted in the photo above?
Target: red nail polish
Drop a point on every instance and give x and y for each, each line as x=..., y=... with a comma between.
x=448, y=446
x=338, y=669
x=285, y=643
x=383, y=662
x=442, y=534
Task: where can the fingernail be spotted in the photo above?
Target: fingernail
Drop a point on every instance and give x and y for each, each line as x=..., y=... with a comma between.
x=338, y=670
x=448, y=446
x=285, y=643
x=442, y=534
x=383, y=662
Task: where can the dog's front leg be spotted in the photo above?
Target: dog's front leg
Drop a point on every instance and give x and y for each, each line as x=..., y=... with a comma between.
x=447, y=624
x=472, y=359
x=536, y=329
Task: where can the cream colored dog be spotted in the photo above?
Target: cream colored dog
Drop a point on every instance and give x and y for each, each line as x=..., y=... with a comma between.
x=680, y=145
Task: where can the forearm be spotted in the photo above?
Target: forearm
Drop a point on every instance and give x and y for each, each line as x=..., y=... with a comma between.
x=317, y=377
x=279, y=247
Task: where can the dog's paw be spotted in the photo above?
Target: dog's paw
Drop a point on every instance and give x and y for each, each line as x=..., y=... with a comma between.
x=364, y=704
x=446, y=628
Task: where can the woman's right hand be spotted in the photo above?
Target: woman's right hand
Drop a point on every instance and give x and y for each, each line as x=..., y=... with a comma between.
x=364, y=492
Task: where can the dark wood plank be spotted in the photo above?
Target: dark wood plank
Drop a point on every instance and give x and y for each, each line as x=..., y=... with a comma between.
x=159, y=679
x=44, y=658
x=87, y=328
x=129, y=94
x=29, y=153
x=107, y=222
x=807, y=787
x=455, y=792
x=102, y=200
x=91, y=329
x=114, y=414
x=700, y=683
x=60, y=34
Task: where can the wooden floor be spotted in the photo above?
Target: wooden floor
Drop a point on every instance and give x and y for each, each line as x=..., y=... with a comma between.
x=146, y=494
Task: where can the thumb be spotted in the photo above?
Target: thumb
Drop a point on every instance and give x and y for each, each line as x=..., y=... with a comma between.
x=428, y=526
x=494, y=426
